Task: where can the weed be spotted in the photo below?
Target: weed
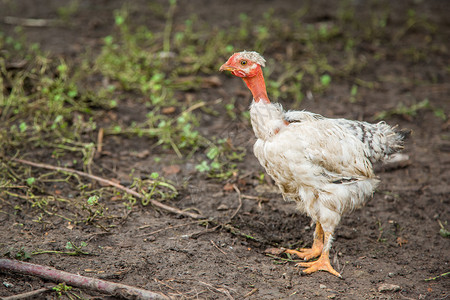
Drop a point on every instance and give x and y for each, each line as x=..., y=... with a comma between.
x=61, y=289
x=221, y=160
x=66, y=12
x=437, y=277
x=22, y=254
x=411, y=111
x=94, y=208
x=353, y=93
x=443, y=232
x=380, y=239
x=73, y=250
x=281, y=260
x=154, y=186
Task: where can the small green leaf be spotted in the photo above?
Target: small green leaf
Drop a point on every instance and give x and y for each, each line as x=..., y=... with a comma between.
x=108, y=40
x=215, y=165
x=117, y=129
x=23, y=127
x=444, y=233
x=439, y=112
x=62, y=69
x=92, y=200
x=203, y=166
x=119, y=20
x=325, y=80
x=354, y=90
x=212, y=153
x=31, y=180
x=72, y=93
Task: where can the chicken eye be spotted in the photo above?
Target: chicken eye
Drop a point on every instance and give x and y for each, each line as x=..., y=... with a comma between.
x=243, y=62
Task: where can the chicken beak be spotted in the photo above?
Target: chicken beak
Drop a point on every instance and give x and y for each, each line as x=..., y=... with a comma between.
x=226, y=67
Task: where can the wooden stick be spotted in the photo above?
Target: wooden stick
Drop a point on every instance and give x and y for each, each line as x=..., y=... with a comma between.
x=30, y=22
x=102, y=286
x=240, y=201
x=110, y=183
x=214, y=244
x=100, y=135
x=27, y=295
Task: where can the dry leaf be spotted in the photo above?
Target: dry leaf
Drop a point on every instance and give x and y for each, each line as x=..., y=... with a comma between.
x=274, y=251
x=170, y=170
x=168, y=110
x=228, y=187
x=401, y=241
x=141, y=154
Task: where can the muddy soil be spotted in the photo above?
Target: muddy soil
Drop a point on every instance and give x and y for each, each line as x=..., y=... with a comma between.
x=393, y=240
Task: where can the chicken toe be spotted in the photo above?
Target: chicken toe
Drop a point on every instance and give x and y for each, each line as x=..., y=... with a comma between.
x=315, y=250
x=322, y=264
x=307, y=253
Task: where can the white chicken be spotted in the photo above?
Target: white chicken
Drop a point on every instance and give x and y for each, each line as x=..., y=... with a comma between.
x=323, y=164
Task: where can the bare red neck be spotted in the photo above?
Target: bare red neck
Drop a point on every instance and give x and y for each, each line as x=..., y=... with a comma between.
x=257, y=86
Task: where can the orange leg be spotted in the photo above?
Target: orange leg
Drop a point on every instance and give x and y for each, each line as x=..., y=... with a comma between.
x=315, y=250
x=323, y=263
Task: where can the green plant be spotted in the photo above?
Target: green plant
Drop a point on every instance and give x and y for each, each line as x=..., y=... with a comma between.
x=153, y=187
x=22, y=254
x=411, y=111
x=443, y=232
x=61, y=289
x=94, y=208
x=66, y=12
x=221, y=159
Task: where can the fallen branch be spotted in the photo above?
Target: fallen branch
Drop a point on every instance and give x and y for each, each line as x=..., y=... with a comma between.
x=102, y=286
x=110, y=183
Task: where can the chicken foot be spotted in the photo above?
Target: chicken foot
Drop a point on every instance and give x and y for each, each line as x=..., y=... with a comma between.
x=315, y=250
x=323, y=263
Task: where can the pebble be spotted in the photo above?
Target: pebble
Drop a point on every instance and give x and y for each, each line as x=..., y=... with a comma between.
x=323, y=286
x=387, y=287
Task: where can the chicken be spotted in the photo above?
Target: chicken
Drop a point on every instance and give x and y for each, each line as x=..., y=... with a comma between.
x=324, y=165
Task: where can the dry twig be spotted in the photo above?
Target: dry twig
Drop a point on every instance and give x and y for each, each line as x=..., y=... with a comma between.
x=222, y=290
x=251, y=292
x=240, y=201
x=110, y=183
x=214, y=244
x=100, y=135
x=28, y=295
x=102, y=286
x=27, y=22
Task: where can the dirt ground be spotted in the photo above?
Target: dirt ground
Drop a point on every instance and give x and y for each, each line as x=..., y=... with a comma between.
x=393, y=240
